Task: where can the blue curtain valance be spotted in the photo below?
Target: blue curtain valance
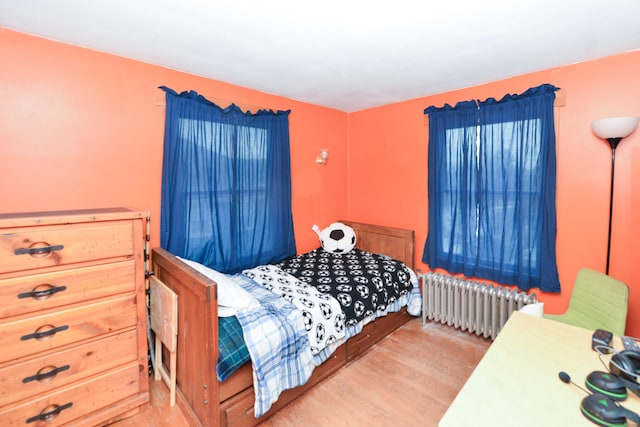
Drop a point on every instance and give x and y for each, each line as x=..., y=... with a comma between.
x=232, y=109
x=544, y=89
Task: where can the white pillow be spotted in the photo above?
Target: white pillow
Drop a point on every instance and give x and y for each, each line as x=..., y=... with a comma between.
x=231, y=296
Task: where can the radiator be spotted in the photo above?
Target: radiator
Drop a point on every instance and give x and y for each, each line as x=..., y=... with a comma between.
x=469, y=305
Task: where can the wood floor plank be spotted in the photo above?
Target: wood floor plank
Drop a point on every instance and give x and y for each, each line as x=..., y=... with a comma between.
x=408, y=379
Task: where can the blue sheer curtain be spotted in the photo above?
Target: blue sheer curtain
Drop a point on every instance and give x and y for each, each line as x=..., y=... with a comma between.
x=226, y=184
x=492, y=180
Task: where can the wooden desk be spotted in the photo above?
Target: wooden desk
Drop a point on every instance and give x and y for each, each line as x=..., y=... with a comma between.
x=516, y=383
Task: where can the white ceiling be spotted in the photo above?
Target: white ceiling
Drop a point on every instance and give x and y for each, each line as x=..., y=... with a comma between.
x=347, y=54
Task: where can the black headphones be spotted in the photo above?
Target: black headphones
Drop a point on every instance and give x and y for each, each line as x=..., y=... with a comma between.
x=626, y=365
x=624, y=369
x=610, y=385
x=603, y=411
x=599, y=408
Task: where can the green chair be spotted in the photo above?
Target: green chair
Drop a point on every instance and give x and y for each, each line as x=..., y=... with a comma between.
x=597, y=301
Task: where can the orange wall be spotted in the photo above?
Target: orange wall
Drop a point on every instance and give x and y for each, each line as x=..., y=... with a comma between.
x=388, y=167
x=82, y=129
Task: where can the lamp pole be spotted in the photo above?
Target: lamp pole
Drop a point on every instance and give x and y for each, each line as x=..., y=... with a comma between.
x=614, y=144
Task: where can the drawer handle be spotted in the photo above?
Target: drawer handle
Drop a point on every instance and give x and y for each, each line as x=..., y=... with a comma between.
x=46, y=373
x=42, y=333
x=42, y=293
x=38, y=250
x=52, y=411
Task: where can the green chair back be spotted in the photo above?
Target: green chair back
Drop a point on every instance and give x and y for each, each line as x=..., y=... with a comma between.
x=597, y=301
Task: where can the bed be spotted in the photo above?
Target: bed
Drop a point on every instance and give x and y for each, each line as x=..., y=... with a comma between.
x=202, y=397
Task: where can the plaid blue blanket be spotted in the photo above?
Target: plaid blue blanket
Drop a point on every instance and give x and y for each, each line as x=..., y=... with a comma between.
x=277, y=341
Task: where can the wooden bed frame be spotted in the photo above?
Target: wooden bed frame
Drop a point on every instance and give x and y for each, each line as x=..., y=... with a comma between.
x=207, y=402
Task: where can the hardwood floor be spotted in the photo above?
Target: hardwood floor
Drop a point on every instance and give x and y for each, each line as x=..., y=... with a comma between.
x=408, y=379
x=159, y=413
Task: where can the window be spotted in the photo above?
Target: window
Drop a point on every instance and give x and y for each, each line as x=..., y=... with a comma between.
x=492, y=189
x=228, y=145
x=226, y=184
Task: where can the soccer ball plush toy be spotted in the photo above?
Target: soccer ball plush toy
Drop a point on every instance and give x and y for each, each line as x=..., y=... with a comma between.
x=337, y=238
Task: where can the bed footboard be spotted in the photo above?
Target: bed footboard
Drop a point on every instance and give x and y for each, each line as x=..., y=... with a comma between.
x=198, y=387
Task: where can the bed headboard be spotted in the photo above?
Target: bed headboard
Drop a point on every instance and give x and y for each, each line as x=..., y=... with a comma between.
x=394, y=242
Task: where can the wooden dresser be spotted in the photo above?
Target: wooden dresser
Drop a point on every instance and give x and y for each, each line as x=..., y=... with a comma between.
x=73, y=347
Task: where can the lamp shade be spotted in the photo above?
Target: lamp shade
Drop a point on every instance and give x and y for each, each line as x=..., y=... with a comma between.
x=614, y=127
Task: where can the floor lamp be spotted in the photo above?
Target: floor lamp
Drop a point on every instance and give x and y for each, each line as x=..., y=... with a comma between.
x=613, y=130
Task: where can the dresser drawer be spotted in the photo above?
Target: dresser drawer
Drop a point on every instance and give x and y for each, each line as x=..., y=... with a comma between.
x=75, y=401
x=45, y=291
x=56, y=369
x=28, y=248
x=48, y=330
